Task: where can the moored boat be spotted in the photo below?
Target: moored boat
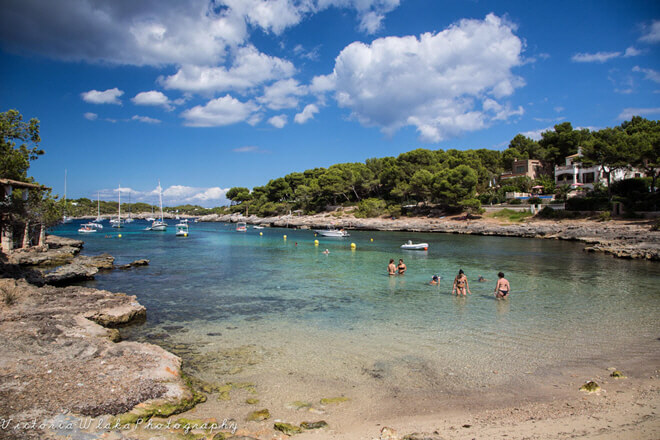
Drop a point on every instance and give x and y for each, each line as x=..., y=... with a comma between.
x=415, y=246
x=241, y=227
x=182, y=229
x=332, y=232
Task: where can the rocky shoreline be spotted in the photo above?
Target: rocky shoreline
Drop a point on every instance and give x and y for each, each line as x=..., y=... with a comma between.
x=620, y=238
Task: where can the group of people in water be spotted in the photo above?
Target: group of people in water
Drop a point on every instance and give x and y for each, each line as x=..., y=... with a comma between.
x=399, y=269
x=461, y=285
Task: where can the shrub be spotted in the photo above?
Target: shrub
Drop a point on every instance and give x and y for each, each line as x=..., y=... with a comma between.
x=471, y=206
x=9, y=295
x=515, y=202
x=534, y=200
x=588, y=204
x=370, y=208
x=547, y=212
x=605, y=216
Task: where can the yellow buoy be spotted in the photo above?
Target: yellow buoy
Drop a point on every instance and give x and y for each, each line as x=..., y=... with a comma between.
x=316, y=242
x=119, y=235
x=261, y=233
x=185, y=234
x=285, y=237
x=372, y=239
x=353, y=246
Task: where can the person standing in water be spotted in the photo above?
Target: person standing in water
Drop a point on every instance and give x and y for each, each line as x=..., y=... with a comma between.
x=502, y=288
x=401, y=267
x=461, y=284
x=391, y=268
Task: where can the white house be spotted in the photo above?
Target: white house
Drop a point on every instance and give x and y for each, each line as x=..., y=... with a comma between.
x=578, y=175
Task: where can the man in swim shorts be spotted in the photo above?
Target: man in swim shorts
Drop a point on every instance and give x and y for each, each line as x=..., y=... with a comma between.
x=502, y=288
x=391, y=268
x=401, y=267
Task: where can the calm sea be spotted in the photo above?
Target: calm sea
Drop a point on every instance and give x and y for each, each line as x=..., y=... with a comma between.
x=301, y=324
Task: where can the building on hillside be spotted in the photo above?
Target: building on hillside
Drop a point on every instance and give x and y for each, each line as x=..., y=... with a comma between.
x=577, y=175
x=7, y=226
x=531, y=168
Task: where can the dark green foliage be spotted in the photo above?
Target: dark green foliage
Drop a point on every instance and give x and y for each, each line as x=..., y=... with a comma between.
x=588, y=204
x=534, y=201
x=370, y=208
x=515, y=202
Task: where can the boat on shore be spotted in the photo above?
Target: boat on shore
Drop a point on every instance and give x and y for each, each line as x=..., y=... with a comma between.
x=415, y=246
x=332, y=233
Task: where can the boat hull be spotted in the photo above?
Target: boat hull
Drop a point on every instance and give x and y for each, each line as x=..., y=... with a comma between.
x=415, y=247
x=333, y=233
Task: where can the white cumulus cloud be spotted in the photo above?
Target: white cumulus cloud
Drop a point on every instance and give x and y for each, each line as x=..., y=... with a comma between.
x=434, y=83
x=308, y=113
x=250, y=68
x=278, y=121
x=218, y=112
x=282, y=94
x=110, y=96
x=152, y=97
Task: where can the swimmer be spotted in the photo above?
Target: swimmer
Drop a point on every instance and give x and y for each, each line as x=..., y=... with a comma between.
x=482, y=279
x=401, y=267
x=326, y=252
x=461, y=284
x=502, y=288
x=391, y=268
x=435, y=280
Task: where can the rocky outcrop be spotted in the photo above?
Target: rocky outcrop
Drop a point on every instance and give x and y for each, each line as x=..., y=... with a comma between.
x=70, y=273
x=57, y=357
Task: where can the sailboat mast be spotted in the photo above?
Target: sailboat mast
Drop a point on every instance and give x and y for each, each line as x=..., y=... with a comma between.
x=160, y=198
x=98, y=205
x=119, y=214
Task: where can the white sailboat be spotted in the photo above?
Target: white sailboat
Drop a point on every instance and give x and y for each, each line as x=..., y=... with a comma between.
x=159, y=225
x=117, y=223
x=65, y=219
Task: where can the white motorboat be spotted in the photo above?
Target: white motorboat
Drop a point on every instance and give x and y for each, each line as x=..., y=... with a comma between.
x=332, y=233
x=92, y=225
x=182, y=229
x=415, y=246
x=159, y=225
x=241, y=227
x=257, y=227
x=85, y=229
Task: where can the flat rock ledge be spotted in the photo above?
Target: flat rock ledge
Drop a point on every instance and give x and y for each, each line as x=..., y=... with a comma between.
x=622, y=239
x=58, y=357
x=58, y=263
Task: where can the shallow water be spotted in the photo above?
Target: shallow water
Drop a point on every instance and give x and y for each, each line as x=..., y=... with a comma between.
x=244, y=307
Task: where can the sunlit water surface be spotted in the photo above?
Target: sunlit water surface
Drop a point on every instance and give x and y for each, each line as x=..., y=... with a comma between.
x=296, y=322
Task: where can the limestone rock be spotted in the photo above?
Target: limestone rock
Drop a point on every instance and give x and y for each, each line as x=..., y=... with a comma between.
x=69, y=273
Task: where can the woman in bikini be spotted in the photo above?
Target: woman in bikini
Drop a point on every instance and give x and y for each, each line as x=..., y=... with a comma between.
x=502, y=288
x=461, y=284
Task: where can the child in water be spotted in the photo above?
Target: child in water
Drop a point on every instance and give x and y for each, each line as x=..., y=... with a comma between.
x=434, y=280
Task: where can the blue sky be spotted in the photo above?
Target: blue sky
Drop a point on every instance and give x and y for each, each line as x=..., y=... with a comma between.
x=206, y=95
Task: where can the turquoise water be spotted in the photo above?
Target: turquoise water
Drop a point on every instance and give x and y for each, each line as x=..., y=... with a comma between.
x=268, y=310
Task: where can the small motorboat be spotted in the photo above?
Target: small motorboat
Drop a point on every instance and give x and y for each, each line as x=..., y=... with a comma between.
x=93, y=225
x=241, y=227
x=332, y=233
x=257, y=227
x=415, y=246
x=86, y=229
x=182, y=229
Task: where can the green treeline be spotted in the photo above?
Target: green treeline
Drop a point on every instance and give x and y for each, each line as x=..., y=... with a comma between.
x=453, y=180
